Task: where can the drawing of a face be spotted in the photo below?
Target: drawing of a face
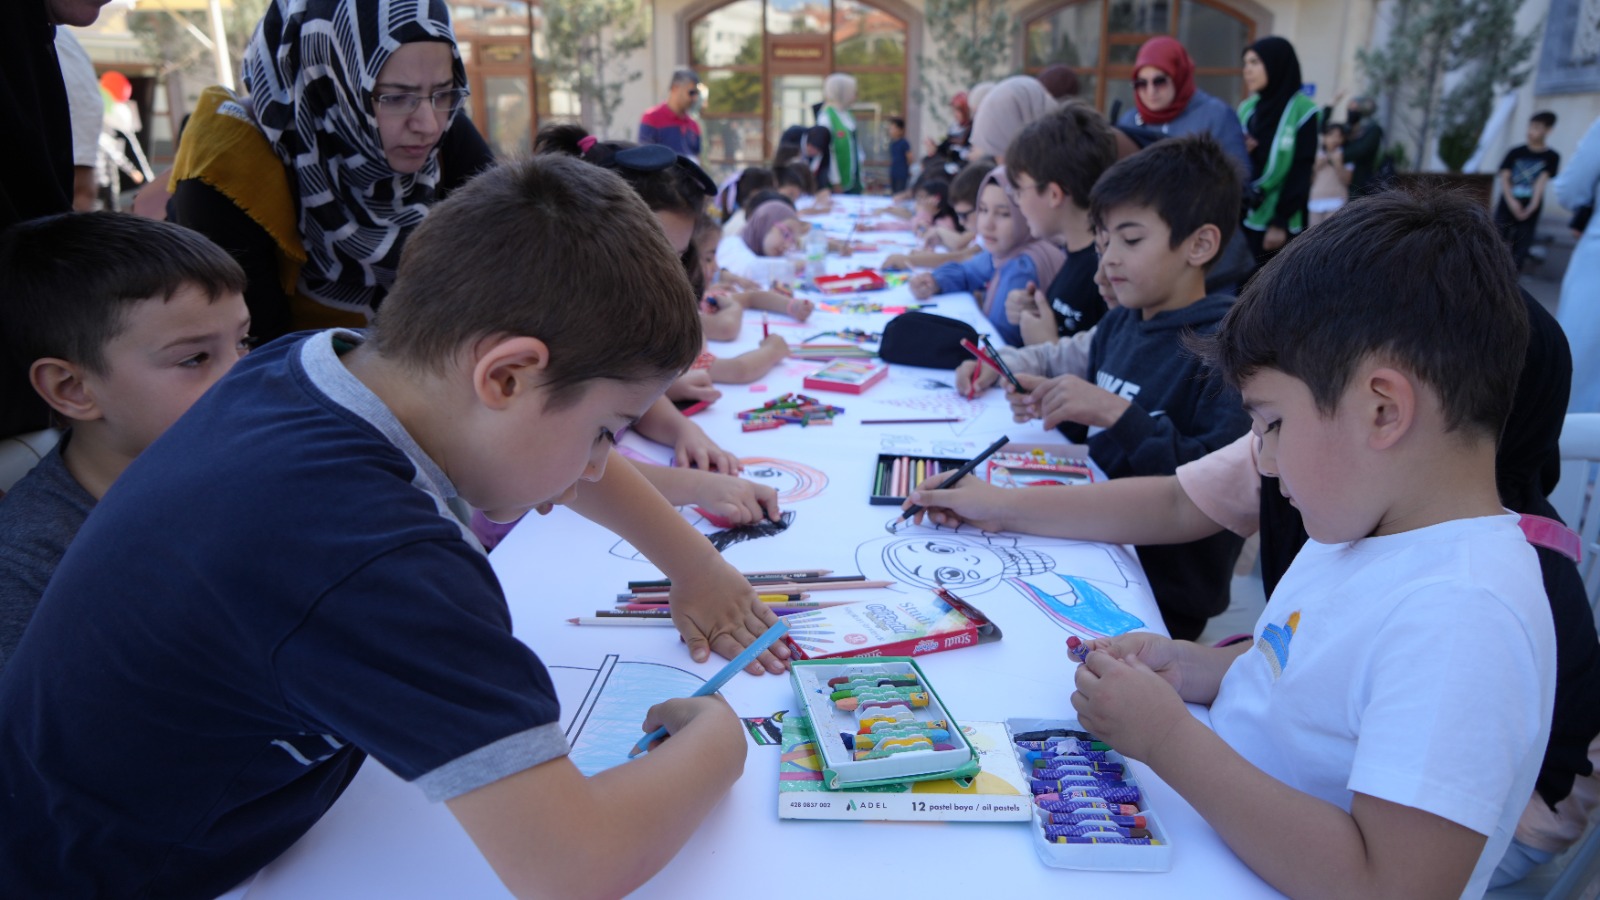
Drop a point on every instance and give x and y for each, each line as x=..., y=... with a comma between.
x=959, y=564
x=793, y=481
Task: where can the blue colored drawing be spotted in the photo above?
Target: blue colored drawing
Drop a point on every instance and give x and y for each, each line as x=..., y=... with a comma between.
x=1080, y=607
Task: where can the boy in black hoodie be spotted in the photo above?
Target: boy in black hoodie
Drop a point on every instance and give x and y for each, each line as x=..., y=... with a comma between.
x=1138, y=398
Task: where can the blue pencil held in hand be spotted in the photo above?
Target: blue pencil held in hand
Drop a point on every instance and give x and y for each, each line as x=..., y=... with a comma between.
x=718, y=680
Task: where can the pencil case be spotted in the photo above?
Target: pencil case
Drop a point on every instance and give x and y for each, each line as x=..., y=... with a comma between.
x=880, y=721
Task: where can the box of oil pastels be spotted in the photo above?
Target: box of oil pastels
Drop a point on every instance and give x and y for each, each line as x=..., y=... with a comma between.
x=1088, y=811
x=880, y=722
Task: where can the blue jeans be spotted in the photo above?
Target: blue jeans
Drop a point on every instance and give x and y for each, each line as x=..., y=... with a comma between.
x=1520, y=859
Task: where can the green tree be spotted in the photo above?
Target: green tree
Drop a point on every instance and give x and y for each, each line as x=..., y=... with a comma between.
x=590, y=44
x=971, y=42
x=1429, y=40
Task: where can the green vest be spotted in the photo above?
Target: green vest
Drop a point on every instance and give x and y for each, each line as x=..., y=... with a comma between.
x=1280, y=159
x=845, y=159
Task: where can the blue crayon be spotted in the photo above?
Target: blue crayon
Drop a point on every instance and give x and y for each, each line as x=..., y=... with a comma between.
x=1127, y=794
x=1093, y=829
x=1103, y=839
x=1091, y=816
x=1083, y=804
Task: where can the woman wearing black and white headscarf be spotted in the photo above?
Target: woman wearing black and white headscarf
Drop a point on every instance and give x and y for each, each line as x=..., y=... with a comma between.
x=349, y=132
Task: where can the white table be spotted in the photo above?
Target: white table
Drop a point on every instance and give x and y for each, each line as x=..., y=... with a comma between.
x=381, y=839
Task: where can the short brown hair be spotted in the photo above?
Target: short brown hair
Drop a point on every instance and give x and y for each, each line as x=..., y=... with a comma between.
x=1070, y=148
x=550, y=247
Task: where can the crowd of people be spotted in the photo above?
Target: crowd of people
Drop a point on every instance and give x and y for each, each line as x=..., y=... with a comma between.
x=241, y=571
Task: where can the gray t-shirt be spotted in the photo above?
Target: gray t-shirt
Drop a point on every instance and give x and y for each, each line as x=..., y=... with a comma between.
x=39, y=517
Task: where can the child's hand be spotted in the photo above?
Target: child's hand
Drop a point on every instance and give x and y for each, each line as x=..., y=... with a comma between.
x=973, y=378
x=923, y=285
x=716, y=610
x=1069, y=398
x=695, y=386
x=775, y=343
x=694, y=448
x=1019, y=301
x=798, y=308
x=739, y=283
x=675, y=715
x=1126, y=704
x=897, y=262
x=971, y=500
x=1037, y=321
x=737, y=500
x=1024, y=406
x=1159, y=653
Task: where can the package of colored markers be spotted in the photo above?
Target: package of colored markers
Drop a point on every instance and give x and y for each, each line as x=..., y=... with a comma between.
x=1030, y=469
x=880, y=721
x=1089, y=812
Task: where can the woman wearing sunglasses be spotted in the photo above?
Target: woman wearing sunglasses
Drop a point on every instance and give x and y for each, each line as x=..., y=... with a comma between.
x=1166, y=99
x=314, y=178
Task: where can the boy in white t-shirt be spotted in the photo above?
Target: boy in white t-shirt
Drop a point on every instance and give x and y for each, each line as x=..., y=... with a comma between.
x=1382, y=732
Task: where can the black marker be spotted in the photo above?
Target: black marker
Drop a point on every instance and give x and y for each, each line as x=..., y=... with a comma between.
x=957, y=475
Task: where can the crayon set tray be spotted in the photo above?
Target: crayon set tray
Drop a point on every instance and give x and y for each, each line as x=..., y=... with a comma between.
x=1095, y=805
x=886, y=491
x=879, y=722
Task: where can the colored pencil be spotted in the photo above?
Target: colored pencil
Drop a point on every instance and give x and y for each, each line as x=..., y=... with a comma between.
x=844, y=586
x=764, y=582
x=745, y=658
x=630, y=620
x=957, y=475
x=779, y=574
x=910, y=421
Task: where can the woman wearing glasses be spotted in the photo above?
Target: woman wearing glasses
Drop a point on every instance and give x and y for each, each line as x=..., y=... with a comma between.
x=348, y=133
x=1166, y=99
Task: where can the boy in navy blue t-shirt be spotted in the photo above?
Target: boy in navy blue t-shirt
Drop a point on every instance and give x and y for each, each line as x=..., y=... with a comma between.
x=276, y=588
x=899, y=156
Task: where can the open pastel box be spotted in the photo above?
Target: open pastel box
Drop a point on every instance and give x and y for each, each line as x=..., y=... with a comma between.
x=880, y=722
x=1153, y=857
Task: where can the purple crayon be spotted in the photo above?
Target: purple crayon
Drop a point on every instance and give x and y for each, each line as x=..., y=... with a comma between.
x=1129, y=794
x=1052, y=832
x=1103, y=839
x=1091, y=816
x=1084, y=804
x=1052, y=785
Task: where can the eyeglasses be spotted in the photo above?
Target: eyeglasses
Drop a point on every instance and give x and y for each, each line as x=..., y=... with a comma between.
x=406, y=104
x=1160, y=81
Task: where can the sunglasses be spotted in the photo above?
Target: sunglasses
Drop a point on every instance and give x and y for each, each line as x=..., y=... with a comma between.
x=1160, y=81
x=654, y=158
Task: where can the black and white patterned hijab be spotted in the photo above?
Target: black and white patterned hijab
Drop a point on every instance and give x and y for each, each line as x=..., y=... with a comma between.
x=310, y=69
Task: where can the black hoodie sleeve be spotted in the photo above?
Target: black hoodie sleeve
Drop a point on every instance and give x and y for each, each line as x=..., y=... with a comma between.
x=1297, y=187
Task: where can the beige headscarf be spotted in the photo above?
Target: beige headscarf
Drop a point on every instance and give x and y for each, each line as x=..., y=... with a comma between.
x=1006, y=110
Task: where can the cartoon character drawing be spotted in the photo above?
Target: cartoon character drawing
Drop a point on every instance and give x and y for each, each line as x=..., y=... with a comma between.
x=971, y=563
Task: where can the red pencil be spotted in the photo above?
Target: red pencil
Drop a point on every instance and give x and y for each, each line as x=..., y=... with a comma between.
x=764, y=332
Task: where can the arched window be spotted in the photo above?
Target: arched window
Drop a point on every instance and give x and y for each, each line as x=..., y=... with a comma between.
x=1100, y=39
x=763, y=62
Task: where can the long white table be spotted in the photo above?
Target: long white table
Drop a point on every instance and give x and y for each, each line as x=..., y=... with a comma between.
x=381, y=839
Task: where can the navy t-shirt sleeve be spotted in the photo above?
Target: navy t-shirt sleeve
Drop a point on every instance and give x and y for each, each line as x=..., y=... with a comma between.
x=411, y=659
x=1074, y=297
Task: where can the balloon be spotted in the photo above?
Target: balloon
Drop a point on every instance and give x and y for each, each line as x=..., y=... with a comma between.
x=117, y=85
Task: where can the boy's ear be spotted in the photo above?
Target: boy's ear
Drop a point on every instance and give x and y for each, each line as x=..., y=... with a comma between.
x=508, y=368
x=1055, y=194
x=1203, y=246
x=62, y=385
x=1391, y=398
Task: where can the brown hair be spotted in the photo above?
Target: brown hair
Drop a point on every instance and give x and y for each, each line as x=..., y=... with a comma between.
x=1070, y=148
x=573, y=257
x=964, y=187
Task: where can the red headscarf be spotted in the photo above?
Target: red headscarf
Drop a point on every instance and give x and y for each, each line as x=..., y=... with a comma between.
x=1168, y=55
x=962, y=110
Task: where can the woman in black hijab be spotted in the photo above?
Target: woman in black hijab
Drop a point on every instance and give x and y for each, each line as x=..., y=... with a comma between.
x=1282, y=128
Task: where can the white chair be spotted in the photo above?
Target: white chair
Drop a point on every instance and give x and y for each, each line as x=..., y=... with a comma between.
x=1574, y=497
x=23, y=452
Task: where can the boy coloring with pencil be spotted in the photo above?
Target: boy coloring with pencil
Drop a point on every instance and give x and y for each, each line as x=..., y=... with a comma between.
x=310, y=599
x=120, y=323
x=1382, y=733
x=1141, y=403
